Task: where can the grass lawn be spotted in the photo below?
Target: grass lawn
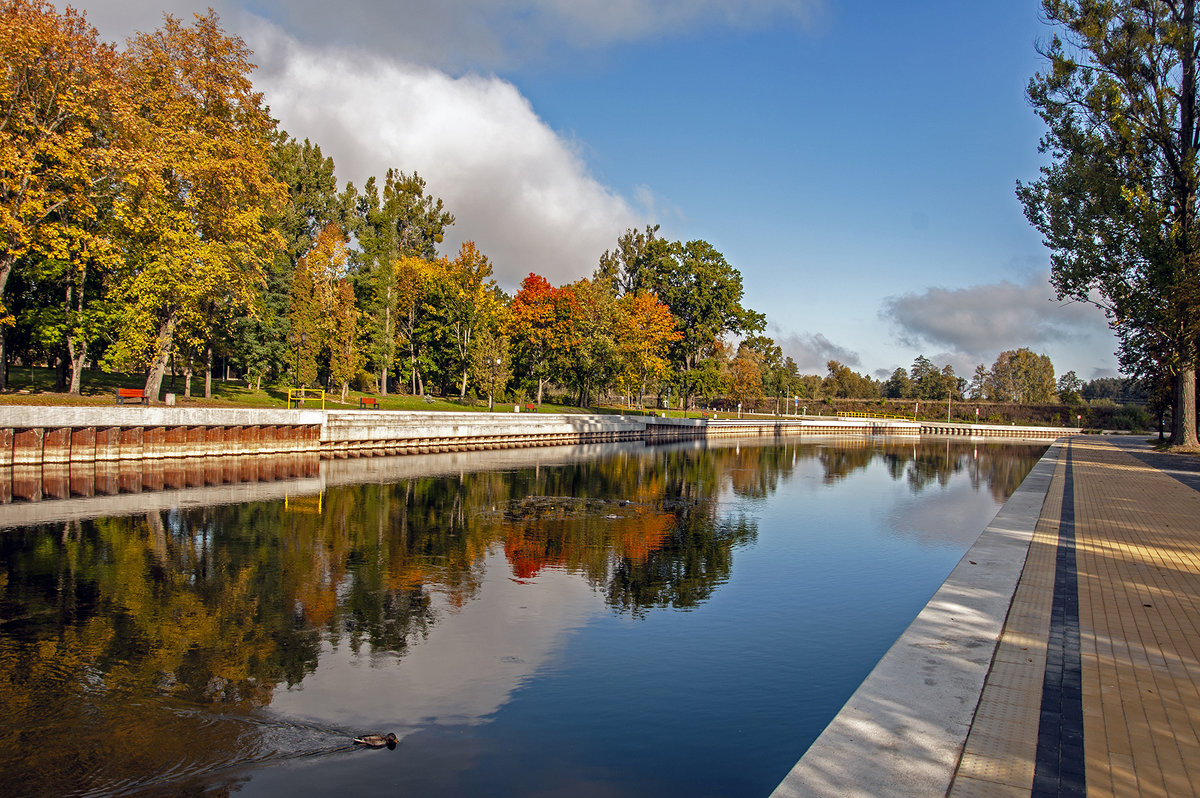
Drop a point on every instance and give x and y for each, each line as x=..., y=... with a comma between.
x=35, y=386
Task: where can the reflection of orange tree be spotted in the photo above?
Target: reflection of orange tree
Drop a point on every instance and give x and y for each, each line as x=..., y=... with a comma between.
x=582, y=535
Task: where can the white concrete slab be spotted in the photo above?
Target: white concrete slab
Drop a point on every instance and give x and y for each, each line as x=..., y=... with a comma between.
x=903, y=730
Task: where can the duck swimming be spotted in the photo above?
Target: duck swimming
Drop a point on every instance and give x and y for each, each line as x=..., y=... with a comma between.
x=378, y=740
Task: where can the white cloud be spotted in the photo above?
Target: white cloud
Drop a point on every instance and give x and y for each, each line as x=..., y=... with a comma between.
x=518, y=189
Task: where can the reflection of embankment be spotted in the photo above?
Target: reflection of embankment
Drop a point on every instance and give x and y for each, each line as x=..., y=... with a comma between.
x=164, y=603
x=58, y=492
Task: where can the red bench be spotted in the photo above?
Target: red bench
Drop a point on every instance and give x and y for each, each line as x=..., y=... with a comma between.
x=131, y=395
x=368, y=401
x=531, y=408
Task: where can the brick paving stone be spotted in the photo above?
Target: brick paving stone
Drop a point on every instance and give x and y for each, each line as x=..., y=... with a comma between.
x=1137, y=551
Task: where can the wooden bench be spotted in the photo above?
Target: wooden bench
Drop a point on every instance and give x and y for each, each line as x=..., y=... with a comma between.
x=368, y=401
x=132, y=394
x=531, y=408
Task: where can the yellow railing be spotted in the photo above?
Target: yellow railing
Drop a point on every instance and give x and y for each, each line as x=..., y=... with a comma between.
x=312, y=505
x=888, y=416
x=298, y=395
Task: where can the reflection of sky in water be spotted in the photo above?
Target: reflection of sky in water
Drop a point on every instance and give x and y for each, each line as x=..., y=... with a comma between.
x=742, y=627
x=463, y=672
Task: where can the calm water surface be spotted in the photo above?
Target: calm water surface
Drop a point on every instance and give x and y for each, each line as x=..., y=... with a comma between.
x=645, y=621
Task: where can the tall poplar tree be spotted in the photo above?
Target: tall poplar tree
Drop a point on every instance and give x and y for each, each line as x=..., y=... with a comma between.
x=401, y=220
x=1117, y=204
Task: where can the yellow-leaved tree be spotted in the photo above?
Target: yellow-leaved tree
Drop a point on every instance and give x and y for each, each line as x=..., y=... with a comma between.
x=645, y=330
x=62, y=108
x=198, y=197
x=470, y=300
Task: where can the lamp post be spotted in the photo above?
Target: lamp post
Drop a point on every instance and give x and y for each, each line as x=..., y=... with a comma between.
x=297, y=341
x=492, y=387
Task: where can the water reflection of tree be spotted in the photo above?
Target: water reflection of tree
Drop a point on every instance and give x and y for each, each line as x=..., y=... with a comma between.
x=999, y=466
x=110, y=622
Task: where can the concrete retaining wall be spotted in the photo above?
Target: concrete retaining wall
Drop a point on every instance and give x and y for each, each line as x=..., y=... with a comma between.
x=33, y=436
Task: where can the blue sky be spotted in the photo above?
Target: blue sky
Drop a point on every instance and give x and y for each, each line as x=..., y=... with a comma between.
x=856, y=161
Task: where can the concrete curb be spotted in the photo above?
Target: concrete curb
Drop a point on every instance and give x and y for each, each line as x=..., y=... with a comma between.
x=903, y=730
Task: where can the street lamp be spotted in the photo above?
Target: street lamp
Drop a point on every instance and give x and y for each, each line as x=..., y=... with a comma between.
x=492, y=387
x=297, y=341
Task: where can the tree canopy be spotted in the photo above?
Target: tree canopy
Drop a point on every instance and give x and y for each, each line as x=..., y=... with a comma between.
x=1117, y=203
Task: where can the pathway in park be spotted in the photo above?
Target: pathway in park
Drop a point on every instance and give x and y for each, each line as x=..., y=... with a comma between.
x=1095, y=685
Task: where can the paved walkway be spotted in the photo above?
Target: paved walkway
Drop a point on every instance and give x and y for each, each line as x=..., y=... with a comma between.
x=1095, y=686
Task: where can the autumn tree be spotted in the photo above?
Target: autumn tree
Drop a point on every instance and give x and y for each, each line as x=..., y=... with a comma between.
x=415, y=279
x=63, y=109
x=1117, y=205
x=539, y=326
x=590, y=355
x=470, y=301
x=322, y=316
x=746, y=376
x=779, y=374
x=199, y=199
x=345, y=357
x=644, y=331
x=845, y=382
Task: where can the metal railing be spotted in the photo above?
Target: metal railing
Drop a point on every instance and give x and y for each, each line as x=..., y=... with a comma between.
x=298, y=395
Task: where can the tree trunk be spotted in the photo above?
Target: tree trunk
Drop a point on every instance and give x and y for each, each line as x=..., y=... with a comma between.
x=462, y=393
x=166, y=337
x=3, y=358
x=1184, y=423
x=345, y=391
x=187, y=380
x=541, y=385
x=6, y=263
x=77, y=353
x=208, y=364
x=383, y=381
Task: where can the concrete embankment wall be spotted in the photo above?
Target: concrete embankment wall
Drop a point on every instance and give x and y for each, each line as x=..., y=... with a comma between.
x=74, y=435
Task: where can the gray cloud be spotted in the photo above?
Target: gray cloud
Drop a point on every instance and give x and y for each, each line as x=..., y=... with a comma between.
x=980, y=321
x=812, y=351
x=460, y=35
x=493, y=34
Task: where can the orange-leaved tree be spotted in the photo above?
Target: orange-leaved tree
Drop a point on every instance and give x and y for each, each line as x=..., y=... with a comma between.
x=539, y=326
x=645, y=331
